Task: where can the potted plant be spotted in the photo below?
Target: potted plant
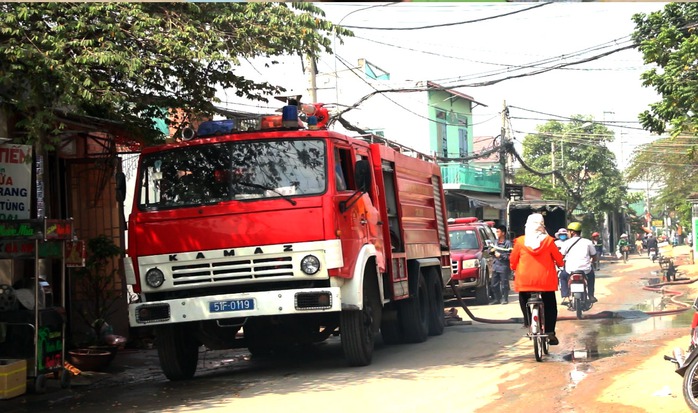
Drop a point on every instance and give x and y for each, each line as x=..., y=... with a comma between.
x=96, y=302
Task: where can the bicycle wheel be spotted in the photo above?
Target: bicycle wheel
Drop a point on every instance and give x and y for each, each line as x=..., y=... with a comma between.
x=538, y=348
x=546, y=346
x=625, y=257
x=536, y=327
x=544, y=340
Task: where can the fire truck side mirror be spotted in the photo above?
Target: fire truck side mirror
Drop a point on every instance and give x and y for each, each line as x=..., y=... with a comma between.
x=362, y=175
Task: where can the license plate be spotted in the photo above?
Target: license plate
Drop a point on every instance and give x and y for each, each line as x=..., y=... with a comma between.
x=231, y=305
x=577, y=288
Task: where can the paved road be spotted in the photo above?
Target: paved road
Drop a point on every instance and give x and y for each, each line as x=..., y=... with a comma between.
x=600, y=365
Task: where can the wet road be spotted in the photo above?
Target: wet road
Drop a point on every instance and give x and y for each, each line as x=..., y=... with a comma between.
x=476, y=367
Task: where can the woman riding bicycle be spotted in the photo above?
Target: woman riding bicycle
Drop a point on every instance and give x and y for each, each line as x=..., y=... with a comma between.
x=534, y=258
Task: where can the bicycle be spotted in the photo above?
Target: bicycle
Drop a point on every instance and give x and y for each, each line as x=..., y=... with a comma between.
x=536, y=326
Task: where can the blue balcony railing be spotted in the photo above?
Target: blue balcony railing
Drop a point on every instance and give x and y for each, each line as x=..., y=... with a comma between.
x=473, y=178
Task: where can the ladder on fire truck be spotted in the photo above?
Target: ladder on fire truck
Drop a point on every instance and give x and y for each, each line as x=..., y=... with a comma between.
x=372, y=138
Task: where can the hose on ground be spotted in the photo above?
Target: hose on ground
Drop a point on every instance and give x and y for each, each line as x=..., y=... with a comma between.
x=596, y=316
x=513, y=320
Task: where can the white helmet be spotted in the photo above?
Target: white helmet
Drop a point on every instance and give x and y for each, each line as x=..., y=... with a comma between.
x=624, y=236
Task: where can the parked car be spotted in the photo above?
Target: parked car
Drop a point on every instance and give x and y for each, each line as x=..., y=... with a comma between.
x=470, y=261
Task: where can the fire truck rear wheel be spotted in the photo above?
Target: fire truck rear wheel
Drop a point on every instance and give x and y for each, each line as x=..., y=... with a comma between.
x=414, y=313
x=437, y=322
x=178, y=351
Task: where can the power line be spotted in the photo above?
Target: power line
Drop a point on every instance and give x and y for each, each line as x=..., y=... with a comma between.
x=486, y=83
x=345, y=63
x=508, y=65
x=432, y=26
x=568, y=118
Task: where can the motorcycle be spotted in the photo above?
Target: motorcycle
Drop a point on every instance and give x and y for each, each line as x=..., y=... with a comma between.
x=669, y=270
x=625, y=250
x=653, y=254
x=579, y=300
x=687, y=364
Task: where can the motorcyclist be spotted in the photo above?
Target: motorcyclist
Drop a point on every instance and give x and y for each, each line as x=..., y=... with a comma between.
x=623, y=244
x=598, y=244
x=560, y=237
x=580, y=255
x=651, y=244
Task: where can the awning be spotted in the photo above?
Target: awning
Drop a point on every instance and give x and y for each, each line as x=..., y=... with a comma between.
x=480, y=199
x=483, y=200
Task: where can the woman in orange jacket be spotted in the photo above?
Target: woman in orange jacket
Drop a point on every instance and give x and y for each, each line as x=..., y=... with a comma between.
x=534, y=258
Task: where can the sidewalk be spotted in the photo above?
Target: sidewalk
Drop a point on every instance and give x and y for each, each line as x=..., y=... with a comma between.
x=130, y=367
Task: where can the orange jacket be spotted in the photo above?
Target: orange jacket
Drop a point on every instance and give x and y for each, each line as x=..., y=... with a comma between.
x=535, y=269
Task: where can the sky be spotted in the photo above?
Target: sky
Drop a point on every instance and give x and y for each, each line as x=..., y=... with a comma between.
x=537, y=34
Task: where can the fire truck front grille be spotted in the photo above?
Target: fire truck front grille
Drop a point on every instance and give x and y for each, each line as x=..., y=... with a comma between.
x=232, y=270
x=454, y=267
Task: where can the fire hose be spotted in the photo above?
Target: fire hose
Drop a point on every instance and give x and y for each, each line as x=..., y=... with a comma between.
x=600, y=315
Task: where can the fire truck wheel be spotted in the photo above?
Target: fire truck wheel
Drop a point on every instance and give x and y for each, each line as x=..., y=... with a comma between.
x=414, y=313
x=356, y=330
x=178, y=351
x=437, y=322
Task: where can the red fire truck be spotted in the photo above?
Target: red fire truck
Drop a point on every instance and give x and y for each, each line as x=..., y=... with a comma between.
x=283, y=236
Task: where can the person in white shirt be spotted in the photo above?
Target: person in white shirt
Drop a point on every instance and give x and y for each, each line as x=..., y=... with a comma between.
x=580, y=255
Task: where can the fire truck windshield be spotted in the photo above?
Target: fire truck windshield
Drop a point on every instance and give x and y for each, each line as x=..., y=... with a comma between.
x=212, y=173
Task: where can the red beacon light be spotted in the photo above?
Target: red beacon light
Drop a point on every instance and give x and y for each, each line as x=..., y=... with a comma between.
x=490, y=223
x=466, y=220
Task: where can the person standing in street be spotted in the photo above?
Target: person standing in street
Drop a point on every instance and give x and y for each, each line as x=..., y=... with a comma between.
x=534, y=258
x=638, y=245
x=596, y=239
x=500, y=267
x=580, y=255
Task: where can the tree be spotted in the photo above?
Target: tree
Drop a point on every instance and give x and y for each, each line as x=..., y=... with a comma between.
x=668, y=39
x=588, y=178
x=127, y=62
x=667, y=164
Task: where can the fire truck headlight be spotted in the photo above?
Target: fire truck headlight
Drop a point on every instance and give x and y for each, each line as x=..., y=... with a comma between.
x=154, y=278
x=310, y=264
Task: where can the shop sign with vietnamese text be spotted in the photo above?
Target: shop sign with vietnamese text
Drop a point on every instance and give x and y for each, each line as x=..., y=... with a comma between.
x=15, y=181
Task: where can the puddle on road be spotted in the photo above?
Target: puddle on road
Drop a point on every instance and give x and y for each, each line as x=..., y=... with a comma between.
x=602, y=338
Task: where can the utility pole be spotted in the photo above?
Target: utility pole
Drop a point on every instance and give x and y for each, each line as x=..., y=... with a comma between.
x=622, y=157
x=311, y=71
x=647, y=192
x=503, y=160
x=552, y=157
